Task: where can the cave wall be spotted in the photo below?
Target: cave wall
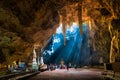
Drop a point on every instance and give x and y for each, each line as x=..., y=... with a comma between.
x=24, y=23
x=28, y=23
x=105, y=40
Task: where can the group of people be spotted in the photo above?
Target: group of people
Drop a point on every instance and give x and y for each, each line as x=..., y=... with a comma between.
x=60, y=66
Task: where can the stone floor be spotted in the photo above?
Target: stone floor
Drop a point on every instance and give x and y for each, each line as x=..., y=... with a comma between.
x=71, y=74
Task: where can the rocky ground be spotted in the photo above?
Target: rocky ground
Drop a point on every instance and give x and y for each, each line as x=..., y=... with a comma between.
x=71, y=74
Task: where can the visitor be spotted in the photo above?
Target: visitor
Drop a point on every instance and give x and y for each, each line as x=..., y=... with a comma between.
x=70, y=65
x=75, y=66
x=51, y=67
x=67, y=66
x=48, y=67
x=55, y=66
x=59, y=66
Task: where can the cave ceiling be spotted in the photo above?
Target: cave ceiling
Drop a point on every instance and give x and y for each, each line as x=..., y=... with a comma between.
x=25, y=23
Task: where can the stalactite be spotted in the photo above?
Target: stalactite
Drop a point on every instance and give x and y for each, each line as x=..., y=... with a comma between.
x=112, y=55
x=103, y=19
x=64, y=30
x=80, y=15
x=70, y=21
x=109, y=28
x=89, y=23
x=67, y=8
x=114, y=50
x=109, y=6
x=72, y=12
x=116, y=44
x=63, y=14
x=64, y=25
x=68, y=17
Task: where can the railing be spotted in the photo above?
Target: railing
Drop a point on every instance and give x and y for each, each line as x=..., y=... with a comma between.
x=18, y=76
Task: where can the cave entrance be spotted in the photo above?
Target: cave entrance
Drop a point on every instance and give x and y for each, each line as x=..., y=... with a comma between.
x=70, y=43
x=75, y=51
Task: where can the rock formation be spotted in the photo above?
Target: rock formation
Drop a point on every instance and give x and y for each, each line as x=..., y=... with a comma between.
x=28, y=23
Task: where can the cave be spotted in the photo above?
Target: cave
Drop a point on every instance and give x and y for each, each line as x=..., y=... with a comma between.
x=83, y=33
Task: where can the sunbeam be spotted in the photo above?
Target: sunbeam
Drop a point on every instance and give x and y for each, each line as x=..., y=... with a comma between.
x=76, y=50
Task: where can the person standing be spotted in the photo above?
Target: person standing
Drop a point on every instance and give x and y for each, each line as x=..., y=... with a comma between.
x=67, y=66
